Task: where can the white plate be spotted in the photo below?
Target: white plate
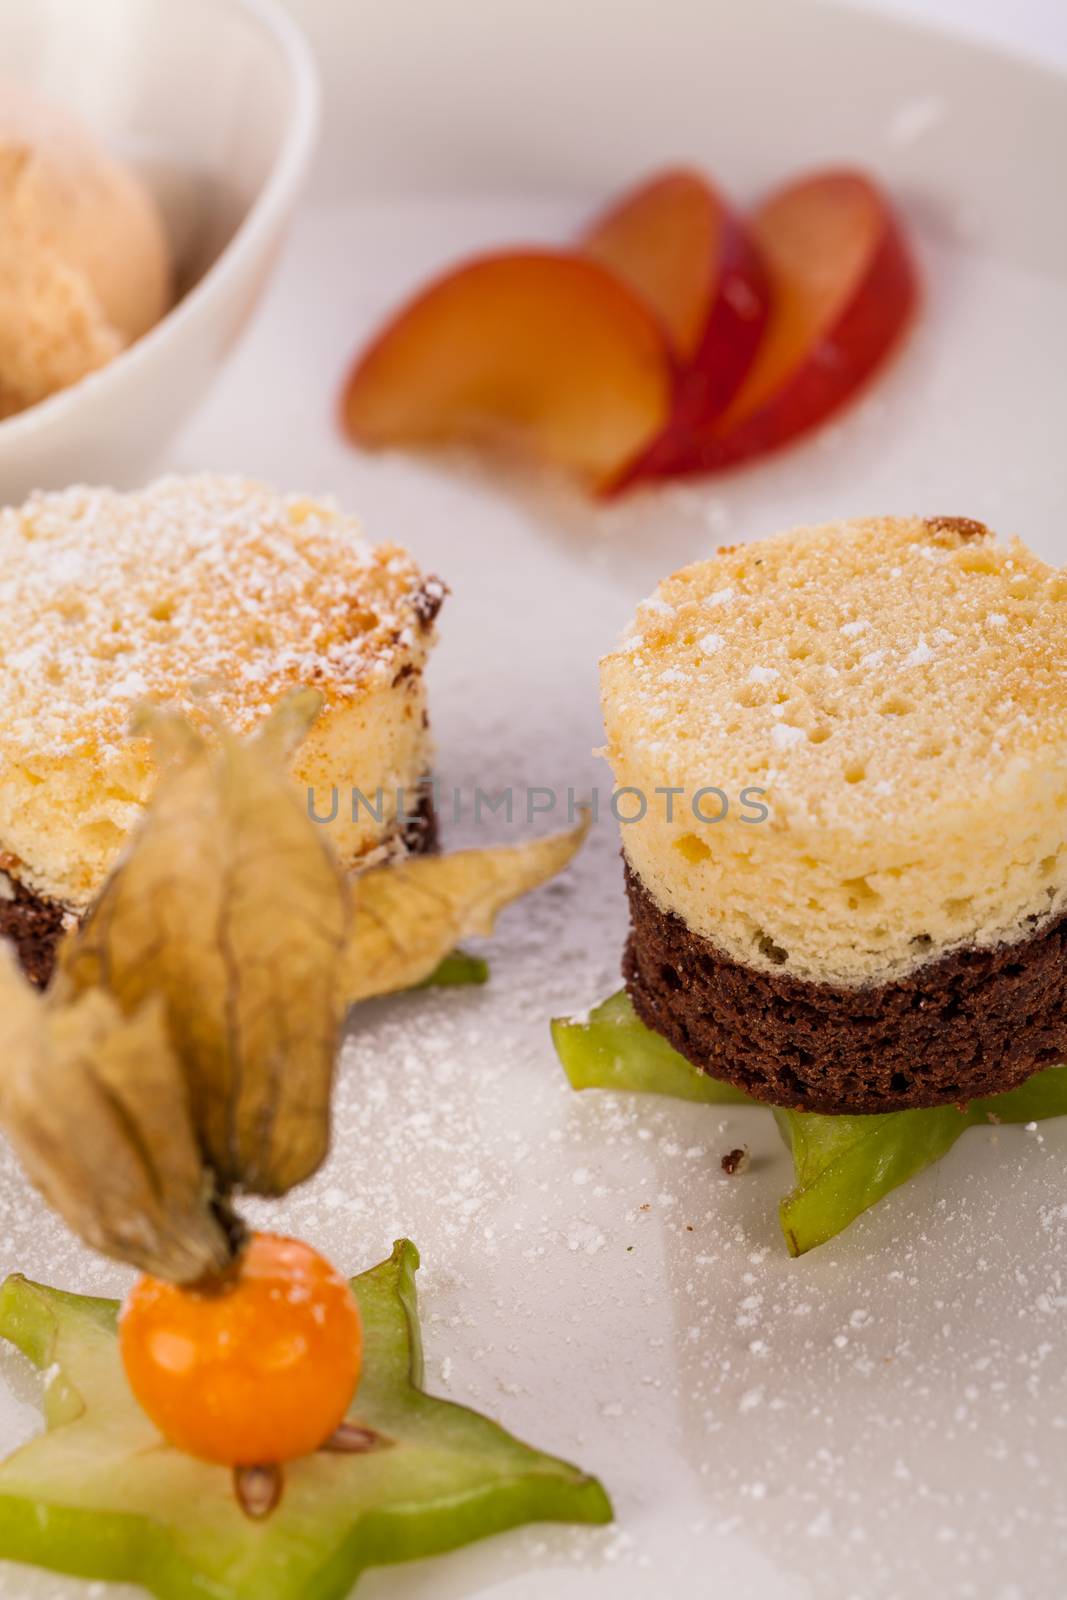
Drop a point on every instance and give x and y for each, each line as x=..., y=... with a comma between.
x=888, y=1416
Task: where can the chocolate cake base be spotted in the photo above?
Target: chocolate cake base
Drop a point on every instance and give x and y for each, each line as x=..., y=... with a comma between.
x=35, y=925
x=419, y=830
x=975, y=1022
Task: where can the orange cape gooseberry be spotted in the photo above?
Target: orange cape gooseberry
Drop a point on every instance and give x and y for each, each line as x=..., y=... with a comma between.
x=257, y=1369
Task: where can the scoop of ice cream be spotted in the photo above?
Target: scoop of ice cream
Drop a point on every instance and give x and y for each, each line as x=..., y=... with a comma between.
x=85, y=267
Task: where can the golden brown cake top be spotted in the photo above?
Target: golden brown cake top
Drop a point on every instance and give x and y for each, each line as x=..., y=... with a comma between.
x=859, y=665
x=894, y=692
x=196, y=590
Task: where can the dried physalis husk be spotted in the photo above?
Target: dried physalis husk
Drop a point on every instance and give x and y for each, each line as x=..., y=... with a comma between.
x=231, y=907
x=95, y=1106
x=186, y=1046
x=408, y=916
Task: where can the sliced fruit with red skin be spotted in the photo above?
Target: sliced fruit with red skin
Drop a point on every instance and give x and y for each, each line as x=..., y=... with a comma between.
x=679, y=245
x=541, y=351
x=843, y=288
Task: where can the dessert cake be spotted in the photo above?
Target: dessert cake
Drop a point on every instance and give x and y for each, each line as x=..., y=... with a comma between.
x=893, y=932
x=218, y=596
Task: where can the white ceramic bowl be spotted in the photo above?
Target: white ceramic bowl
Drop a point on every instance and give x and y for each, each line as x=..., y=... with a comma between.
x=216, y=103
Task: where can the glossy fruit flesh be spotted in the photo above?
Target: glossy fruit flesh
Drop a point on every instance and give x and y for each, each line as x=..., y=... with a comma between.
x=676, y=242
x=259, y=1370
x=842, y=289
x=839, y=270
x=663, y=240
x=537, y=351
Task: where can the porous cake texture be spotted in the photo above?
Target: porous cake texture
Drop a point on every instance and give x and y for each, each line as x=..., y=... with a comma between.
x=896, y=689
x=217, y=596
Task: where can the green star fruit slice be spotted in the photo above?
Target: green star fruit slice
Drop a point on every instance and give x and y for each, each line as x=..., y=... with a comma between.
x=842, y=1165
x=458, y=969
x=845, y=1164
x=612, y=1049
x=99, y=1494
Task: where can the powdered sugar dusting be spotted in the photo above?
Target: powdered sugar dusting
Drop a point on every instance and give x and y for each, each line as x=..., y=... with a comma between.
x=853, y=1477
x=201, y=582
x=783, y=736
